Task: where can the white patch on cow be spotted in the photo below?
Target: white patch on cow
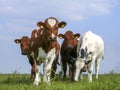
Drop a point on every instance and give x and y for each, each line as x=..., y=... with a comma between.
x=52, y=22
x=37, y=78
x=32, y=54
x=78, y=39
x=41, y=54
x=41, y=32
x=32, y=43
x=52, y=36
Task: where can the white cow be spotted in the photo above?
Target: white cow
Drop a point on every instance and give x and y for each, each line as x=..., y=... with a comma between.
x=90, y=48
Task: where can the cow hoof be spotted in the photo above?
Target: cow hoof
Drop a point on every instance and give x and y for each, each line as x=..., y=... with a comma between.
x=48, y=83
x=90, y=81
x=35, y=83
x=73, y=81
x=60, y=72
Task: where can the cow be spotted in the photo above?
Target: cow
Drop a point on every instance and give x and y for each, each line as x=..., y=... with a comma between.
x=46, y=47
x=90, y=48
x=25, y=43
x=68, y=51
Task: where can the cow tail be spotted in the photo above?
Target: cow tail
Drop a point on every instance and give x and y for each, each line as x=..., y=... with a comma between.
x=103, y=56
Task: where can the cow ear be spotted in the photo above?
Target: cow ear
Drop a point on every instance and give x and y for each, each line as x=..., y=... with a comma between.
x=76, y=36
x=17, y=41
x=61, y=36
x=41, y=25
x=33, y=34
x=62, y=24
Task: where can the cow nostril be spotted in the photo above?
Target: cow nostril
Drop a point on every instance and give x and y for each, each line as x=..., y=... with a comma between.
x=24, y=53
x=69, y=46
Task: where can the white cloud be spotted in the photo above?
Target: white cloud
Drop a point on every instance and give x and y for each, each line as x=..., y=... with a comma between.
x=77, y=9
x=18, y=13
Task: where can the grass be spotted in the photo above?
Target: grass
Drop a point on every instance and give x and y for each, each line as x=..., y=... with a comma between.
x=23, y=82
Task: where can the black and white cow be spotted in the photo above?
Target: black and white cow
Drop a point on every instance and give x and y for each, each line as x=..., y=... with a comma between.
x=90, y=48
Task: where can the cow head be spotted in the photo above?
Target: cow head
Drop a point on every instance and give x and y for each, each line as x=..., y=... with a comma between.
x=24, y=44
x=50, y=27
x=79, y=66
x=70, y=40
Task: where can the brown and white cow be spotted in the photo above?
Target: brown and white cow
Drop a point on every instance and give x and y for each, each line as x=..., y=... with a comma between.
x=46, y=47
x=25, y=44
x=68, y=51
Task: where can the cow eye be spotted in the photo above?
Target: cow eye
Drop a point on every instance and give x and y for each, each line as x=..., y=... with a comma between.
x=90, y=52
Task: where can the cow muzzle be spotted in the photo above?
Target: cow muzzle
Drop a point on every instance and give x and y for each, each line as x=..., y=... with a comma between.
x=24, y=52
x=53, y=37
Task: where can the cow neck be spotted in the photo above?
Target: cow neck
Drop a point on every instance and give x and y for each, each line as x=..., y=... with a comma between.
x=48, y=45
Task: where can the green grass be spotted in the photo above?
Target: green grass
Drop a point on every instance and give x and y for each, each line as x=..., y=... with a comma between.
x=22, y=82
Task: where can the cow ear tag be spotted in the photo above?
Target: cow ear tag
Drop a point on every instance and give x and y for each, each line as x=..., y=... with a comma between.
x=76, y=37
x=41, y=27
x=62, y=26
x=60, y=37
x=17, y=41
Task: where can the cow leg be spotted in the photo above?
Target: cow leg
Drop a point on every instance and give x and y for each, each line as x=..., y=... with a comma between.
x=64, y=68
x=37, y=78
x=97, y=62
x=76, y=76
x=33, y=71
x=80, y=75
x=70, y=71
x=32, y=63
x=90, y=70
x=47, y=69
x=54, y=66
x=44, y=72
x=76, y=69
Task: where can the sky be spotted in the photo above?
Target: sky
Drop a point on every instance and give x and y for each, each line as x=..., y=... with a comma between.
x=19, y=17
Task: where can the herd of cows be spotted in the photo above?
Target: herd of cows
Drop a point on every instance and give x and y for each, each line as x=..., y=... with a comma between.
x=78, y=52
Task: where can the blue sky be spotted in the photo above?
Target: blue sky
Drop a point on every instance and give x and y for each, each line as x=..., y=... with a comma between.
x=19, y=17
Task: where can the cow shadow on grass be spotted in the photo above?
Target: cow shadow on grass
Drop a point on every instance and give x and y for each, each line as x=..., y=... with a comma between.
x=13, y=79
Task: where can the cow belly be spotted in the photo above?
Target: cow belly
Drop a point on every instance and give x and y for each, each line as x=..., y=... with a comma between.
x=42, y=55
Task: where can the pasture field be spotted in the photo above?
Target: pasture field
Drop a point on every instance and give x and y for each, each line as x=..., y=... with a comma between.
x=22, y=82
